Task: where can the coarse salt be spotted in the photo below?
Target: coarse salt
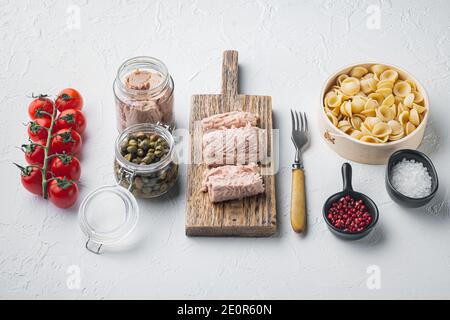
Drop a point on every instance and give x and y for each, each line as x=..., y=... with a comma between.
x=411, y=179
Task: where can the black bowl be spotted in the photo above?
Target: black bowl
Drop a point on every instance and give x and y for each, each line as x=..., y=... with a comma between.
x=400, y=198
x=348, y=190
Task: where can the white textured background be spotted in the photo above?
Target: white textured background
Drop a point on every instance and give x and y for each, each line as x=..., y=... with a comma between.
x=287, y=49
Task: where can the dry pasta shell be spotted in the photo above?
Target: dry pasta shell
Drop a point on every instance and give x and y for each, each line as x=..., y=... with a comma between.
x=357, y=104
x=409, y=100
x=333, y=101
x=385, y=84
x=384, y=91
x=396, y=127
x=362, y=95
x=341, y=78
x=418, y=97
x=369, y=113
x=346, y=108
x=344, y=125
x=389, y=74
x=370, y=122
x=420, y=109
x=344, y=97
x=394, y=109
x=403, y=118
x=364, y=129
x=378, y=97
x=385, y=113
x=368, y=75
x=336, y=90
x=400, y=109
x=395, y=137
x=371, y=139
x=368, y=85
x=350, y=86
x=356, y=134
x=399, y=99
x=409, y=128
x=329, y=94
x=381, y=129
x=356, y=121
x=336, y=111
x=388, y=101
x=332, y=118
x=402, y=88
x=412, y=84
x=378, y=69
x=384, y=139
x=370, y=104
x=414, y=117
x=358, y=72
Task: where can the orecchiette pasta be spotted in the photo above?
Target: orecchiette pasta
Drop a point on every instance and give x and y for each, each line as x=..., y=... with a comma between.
x=374, y=104
x=389, y=74
x=402, y=88
x=368, y=85
x=350, y=86
x=358, y=72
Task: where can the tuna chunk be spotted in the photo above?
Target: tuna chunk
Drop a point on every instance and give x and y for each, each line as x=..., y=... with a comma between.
x=233, y=146
x=232, y=182
x=233, y=119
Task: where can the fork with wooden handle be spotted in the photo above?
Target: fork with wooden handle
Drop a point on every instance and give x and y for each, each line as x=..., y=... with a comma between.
x=298, y=201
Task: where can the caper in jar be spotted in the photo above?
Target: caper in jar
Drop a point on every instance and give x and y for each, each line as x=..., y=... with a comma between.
x=144, y=148
x=147, y=185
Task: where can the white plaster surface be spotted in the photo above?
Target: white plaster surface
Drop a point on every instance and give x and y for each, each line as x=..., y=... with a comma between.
x=287, y=49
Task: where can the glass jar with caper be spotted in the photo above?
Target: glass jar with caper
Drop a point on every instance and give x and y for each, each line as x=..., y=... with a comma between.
x=145, y=160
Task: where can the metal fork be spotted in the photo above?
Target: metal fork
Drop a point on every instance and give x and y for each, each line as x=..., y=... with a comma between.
x=298, y=201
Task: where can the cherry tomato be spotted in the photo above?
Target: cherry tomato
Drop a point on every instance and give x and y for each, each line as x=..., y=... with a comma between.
x=66, y=141
x=66, y=166
x=41, y=103
x=31, y=178
x=34, y=153
x=69, y=99
x=71, y=118
x=37, y=129
x=62, y=192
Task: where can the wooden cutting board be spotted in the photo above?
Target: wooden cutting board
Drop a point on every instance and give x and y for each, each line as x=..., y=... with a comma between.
x=249, y=217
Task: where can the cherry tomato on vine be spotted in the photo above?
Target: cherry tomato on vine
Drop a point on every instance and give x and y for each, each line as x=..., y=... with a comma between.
x=34, y=152
x=62, y=192
x=65, y=166
x=37, y=129
x=41, y=103
x=31, y=178
x=69, y=98
x=66, y=141
x=71, y=118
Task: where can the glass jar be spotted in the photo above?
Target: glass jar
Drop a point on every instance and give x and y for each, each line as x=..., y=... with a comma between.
x=143, y=91
x=146, y=180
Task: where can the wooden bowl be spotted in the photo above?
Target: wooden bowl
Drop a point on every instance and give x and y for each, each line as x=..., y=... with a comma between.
x=365, y=152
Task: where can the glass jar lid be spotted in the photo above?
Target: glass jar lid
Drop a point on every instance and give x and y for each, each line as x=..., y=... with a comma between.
x=107, y=216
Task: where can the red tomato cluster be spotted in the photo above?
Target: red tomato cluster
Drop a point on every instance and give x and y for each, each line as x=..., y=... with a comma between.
x=54, y=156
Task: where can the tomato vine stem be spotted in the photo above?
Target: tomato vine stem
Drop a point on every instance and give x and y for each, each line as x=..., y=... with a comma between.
x=46, y=152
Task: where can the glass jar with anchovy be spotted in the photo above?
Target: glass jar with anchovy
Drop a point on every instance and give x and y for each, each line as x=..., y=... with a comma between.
x=145, y=160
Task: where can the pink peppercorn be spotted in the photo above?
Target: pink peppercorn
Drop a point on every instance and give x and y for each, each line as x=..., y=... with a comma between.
x=349, y=215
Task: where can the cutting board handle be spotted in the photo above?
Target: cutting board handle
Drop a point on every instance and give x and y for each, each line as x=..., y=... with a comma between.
x=230, y=74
